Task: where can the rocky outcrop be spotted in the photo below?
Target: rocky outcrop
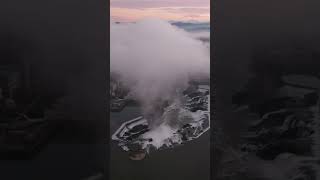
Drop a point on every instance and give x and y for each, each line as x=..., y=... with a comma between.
x=181, y=123
x=286, y=121
x=118, y=94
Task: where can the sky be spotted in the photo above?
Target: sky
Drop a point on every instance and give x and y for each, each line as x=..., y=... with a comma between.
x=175, y=10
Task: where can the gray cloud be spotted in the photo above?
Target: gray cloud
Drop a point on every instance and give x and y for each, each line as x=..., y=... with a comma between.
x=159, y=3
x=155, y=58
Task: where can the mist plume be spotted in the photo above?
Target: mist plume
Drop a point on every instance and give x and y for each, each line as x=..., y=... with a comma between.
x=155, y=60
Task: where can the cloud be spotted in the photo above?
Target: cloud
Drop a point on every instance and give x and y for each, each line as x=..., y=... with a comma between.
x=155, y=59
x=198, y=10
x=165, y=13
x=159, y=3
x=133, y=10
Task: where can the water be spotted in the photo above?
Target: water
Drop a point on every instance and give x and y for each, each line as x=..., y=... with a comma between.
x=185, y=162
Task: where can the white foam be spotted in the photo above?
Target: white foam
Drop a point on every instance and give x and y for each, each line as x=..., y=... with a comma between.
x=160, y=136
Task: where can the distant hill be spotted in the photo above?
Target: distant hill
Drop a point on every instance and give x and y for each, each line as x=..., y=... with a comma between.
x=193, y=26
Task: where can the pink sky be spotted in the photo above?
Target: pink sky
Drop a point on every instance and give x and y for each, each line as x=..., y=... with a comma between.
x=133, y=10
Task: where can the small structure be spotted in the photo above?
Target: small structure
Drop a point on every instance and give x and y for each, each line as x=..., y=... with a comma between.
x=138, y=155
x=117, y=105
